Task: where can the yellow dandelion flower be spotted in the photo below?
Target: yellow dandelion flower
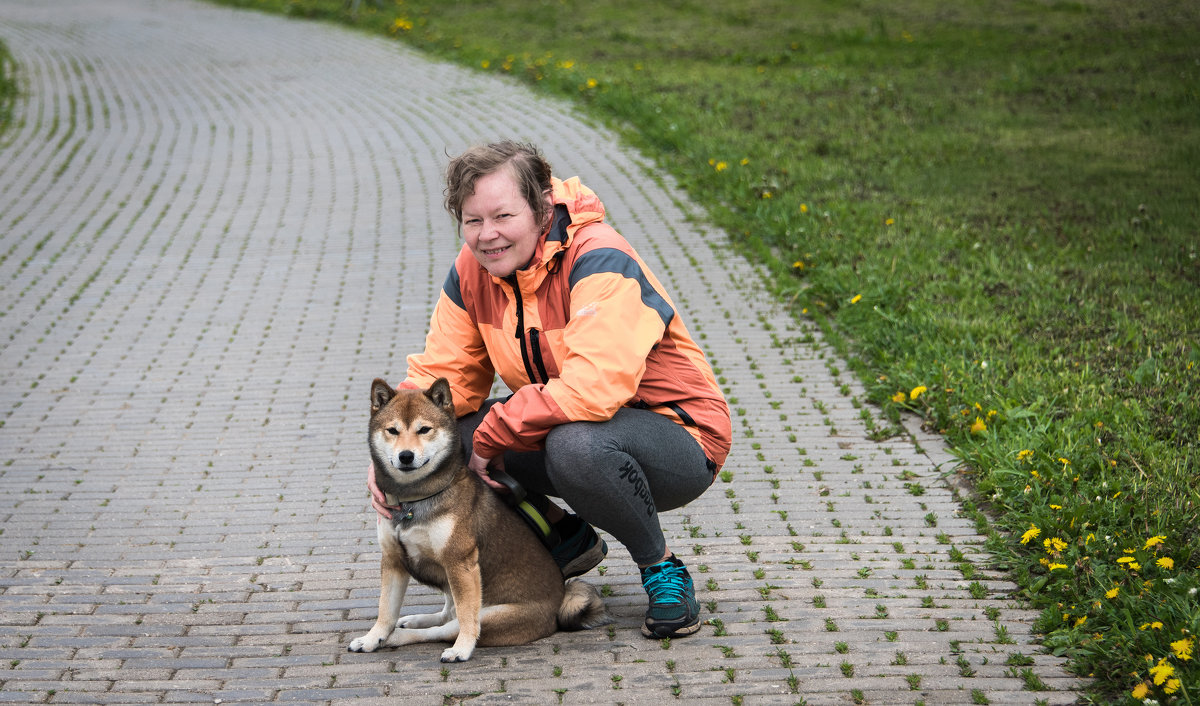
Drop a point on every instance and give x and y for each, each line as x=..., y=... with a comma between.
x=592, y=83
x=1052, y=567
x=1139, y=692
x=745, y=161
x=803, y=208
x=797, y=265
x=978, y=427
x=890, y=222
x=917, y=392
x=1030, y=534
x=1125, y=560
x=1064, y=462
x=1081, y=621
x=1054, y=544
x=1056, y=507
x=720, y=166
x=1166, y=562
x=1025, y=455
x=1162, y=671
x=484, y=64
x=1112, y=592
x=766, y=194
x=899, y=397
x=1182, y=648
x=1171, y=686
x=1155, y=541
x=856, y=299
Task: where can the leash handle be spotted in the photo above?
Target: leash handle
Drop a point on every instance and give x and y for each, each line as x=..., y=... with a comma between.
x=502, y=477
x=526, y=510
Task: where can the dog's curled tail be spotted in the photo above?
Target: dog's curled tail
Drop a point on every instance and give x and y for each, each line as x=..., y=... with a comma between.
x=582, y=607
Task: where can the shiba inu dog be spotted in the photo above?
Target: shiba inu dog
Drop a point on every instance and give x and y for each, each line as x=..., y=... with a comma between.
x=451, y=532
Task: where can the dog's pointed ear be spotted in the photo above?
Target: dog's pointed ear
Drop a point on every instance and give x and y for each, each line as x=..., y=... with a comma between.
x=381, y=394
x=439, y=394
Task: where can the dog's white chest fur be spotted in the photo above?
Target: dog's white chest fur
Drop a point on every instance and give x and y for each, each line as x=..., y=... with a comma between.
x=420, y=541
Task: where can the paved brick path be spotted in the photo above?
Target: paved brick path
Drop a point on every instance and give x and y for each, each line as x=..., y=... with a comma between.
x=217, y=227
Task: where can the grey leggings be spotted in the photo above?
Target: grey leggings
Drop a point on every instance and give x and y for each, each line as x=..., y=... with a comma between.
x=617, y=475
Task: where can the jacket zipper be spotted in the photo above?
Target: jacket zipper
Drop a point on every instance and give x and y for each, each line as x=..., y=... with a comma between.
x=531, y=341
x=535, y=349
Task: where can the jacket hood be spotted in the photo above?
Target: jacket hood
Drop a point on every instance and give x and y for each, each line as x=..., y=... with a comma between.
x=575, y=206
x=581, y=202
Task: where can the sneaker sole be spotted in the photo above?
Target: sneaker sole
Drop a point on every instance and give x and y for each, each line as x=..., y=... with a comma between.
x=667, y=632
x=586, y=561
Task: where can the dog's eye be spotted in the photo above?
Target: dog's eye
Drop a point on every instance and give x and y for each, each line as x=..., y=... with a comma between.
x=424, y=430
x=393, y=431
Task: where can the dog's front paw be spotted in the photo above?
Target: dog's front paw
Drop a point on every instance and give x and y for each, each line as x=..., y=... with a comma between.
x=457, y=654
x=366, y=643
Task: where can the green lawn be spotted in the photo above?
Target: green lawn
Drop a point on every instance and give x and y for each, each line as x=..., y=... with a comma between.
x=8, y=88
x=995, y=201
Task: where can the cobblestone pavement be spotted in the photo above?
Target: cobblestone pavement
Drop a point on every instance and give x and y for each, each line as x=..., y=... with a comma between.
x=217, y=228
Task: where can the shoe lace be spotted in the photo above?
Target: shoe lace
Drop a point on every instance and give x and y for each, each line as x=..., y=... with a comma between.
x=667, y=585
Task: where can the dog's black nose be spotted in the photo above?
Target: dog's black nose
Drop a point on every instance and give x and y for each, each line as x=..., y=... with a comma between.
x=406, y=458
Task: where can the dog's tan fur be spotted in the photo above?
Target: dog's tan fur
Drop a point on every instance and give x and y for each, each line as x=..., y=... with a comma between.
x=453, y=533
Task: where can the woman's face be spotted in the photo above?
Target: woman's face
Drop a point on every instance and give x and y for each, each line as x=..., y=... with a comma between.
x=498, y=225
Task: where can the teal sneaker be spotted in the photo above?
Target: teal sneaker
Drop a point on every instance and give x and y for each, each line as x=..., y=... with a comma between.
x=579, y=549
x=673, y=608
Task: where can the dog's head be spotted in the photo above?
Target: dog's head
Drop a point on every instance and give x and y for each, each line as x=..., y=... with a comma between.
x=412, y=433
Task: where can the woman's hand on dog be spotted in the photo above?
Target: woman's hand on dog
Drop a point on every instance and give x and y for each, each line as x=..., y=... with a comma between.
x=480, y=465
x=377, y=500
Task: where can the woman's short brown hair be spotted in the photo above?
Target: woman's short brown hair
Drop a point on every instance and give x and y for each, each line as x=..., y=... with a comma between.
x=530, y=170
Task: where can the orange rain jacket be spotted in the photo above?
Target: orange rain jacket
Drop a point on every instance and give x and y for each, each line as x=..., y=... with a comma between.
x=587, y=330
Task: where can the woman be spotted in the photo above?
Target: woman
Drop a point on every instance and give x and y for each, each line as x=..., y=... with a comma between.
x=614, y=408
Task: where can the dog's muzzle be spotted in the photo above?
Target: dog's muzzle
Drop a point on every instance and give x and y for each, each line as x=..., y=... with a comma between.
x=407, y=461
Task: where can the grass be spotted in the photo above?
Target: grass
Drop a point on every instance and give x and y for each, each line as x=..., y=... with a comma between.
x=990, y=209
x=8, y=87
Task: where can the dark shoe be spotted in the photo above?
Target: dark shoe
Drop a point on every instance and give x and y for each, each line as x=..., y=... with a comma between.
x=673, y=608
x=580, y=549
